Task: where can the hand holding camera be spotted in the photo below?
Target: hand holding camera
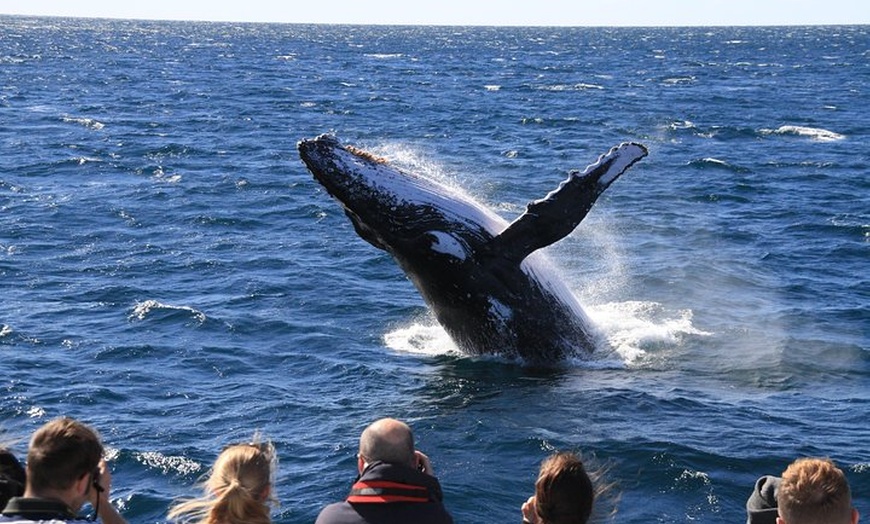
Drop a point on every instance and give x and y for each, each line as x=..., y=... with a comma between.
x=101, y=482
x=424, y=465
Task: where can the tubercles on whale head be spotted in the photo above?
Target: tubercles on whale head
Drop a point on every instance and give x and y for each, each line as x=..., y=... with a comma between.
x=365, y=154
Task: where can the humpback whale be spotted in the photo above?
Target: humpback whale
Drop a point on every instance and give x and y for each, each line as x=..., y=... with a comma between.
x=485, y=280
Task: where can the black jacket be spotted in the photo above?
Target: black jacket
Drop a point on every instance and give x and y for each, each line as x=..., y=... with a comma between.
x=34, y=509
x=390, y=493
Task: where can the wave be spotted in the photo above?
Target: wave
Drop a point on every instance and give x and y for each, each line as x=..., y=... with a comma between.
x=815, y=133
x=148, y=308
x=167, y=463
x=384, y=56
x=570, y=87
x=90, y=123
x=689, y=128
x=715, y=163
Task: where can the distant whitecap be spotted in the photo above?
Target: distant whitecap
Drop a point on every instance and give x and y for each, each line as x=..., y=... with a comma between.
x=815, y=133
x=87, y=122
x=145, y=309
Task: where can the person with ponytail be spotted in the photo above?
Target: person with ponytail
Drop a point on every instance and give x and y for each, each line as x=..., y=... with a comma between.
x=238, y=491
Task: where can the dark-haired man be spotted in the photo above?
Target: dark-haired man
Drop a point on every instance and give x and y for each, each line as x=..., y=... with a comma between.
x=64, y=469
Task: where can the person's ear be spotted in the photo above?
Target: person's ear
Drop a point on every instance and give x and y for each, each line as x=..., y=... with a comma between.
x=779, y=520
x=855, y=516
x=360, y=463
x=83, y=484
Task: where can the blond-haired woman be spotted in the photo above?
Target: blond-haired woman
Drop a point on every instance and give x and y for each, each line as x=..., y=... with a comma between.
x=238, y=490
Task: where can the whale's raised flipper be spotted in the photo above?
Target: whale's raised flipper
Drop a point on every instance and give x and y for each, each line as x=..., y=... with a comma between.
x=555, y=216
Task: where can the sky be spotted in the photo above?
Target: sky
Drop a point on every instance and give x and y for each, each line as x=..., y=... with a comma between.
x=466, y=12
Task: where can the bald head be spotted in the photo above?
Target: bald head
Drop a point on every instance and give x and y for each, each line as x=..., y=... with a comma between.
x=388, y=440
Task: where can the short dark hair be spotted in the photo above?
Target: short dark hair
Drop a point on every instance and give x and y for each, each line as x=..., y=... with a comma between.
x=60, y=452
x=564, y=492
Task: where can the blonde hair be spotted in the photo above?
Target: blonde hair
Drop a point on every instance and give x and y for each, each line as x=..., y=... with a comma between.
x=238, y=491
x=814, y=491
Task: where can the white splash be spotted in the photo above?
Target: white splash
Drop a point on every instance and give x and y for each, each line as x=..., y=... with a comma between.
x=631, y=327
x=423, y=338
x=628, y=329
x=182, y=465
x=35, y=412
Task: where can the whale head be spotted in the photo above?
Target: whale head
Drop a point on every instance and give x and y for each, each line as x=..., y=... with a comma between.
x=391, y=208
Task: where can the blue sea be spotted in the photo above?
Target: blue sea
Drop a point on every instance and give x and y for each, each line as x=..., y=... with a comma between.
x=171, y=273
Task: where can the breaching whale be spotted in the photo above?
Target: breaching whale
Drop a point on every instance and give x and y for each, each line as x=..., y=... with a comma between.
x=485, y=281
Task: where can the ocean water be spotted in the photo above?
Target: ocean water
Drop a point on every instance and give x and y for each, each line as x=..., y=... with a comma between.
x=171, y=274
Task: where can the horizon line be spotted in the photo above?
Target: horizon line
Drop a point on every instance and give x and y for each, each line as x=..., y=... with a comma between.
x=418, y=24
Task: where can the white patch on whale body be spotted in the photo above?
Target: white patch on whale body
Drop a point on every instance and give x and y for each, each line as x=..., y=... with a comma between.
x=447, y=244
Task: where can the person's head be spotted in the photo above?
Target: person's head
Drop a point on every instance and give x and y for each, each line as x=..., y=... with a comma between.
x=387, y=440
x=564, y=492
x=62, y=458
x=238, y=490
x=12, y=477
x=814, y=491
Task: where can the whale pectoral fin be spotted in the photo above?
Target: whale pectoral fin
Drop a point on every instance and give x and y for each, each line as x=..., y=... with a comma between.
x=555, y=216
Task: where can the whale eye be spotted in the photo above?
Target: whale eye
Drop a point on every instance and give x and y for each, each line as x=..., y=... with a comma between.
x=447, y=244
